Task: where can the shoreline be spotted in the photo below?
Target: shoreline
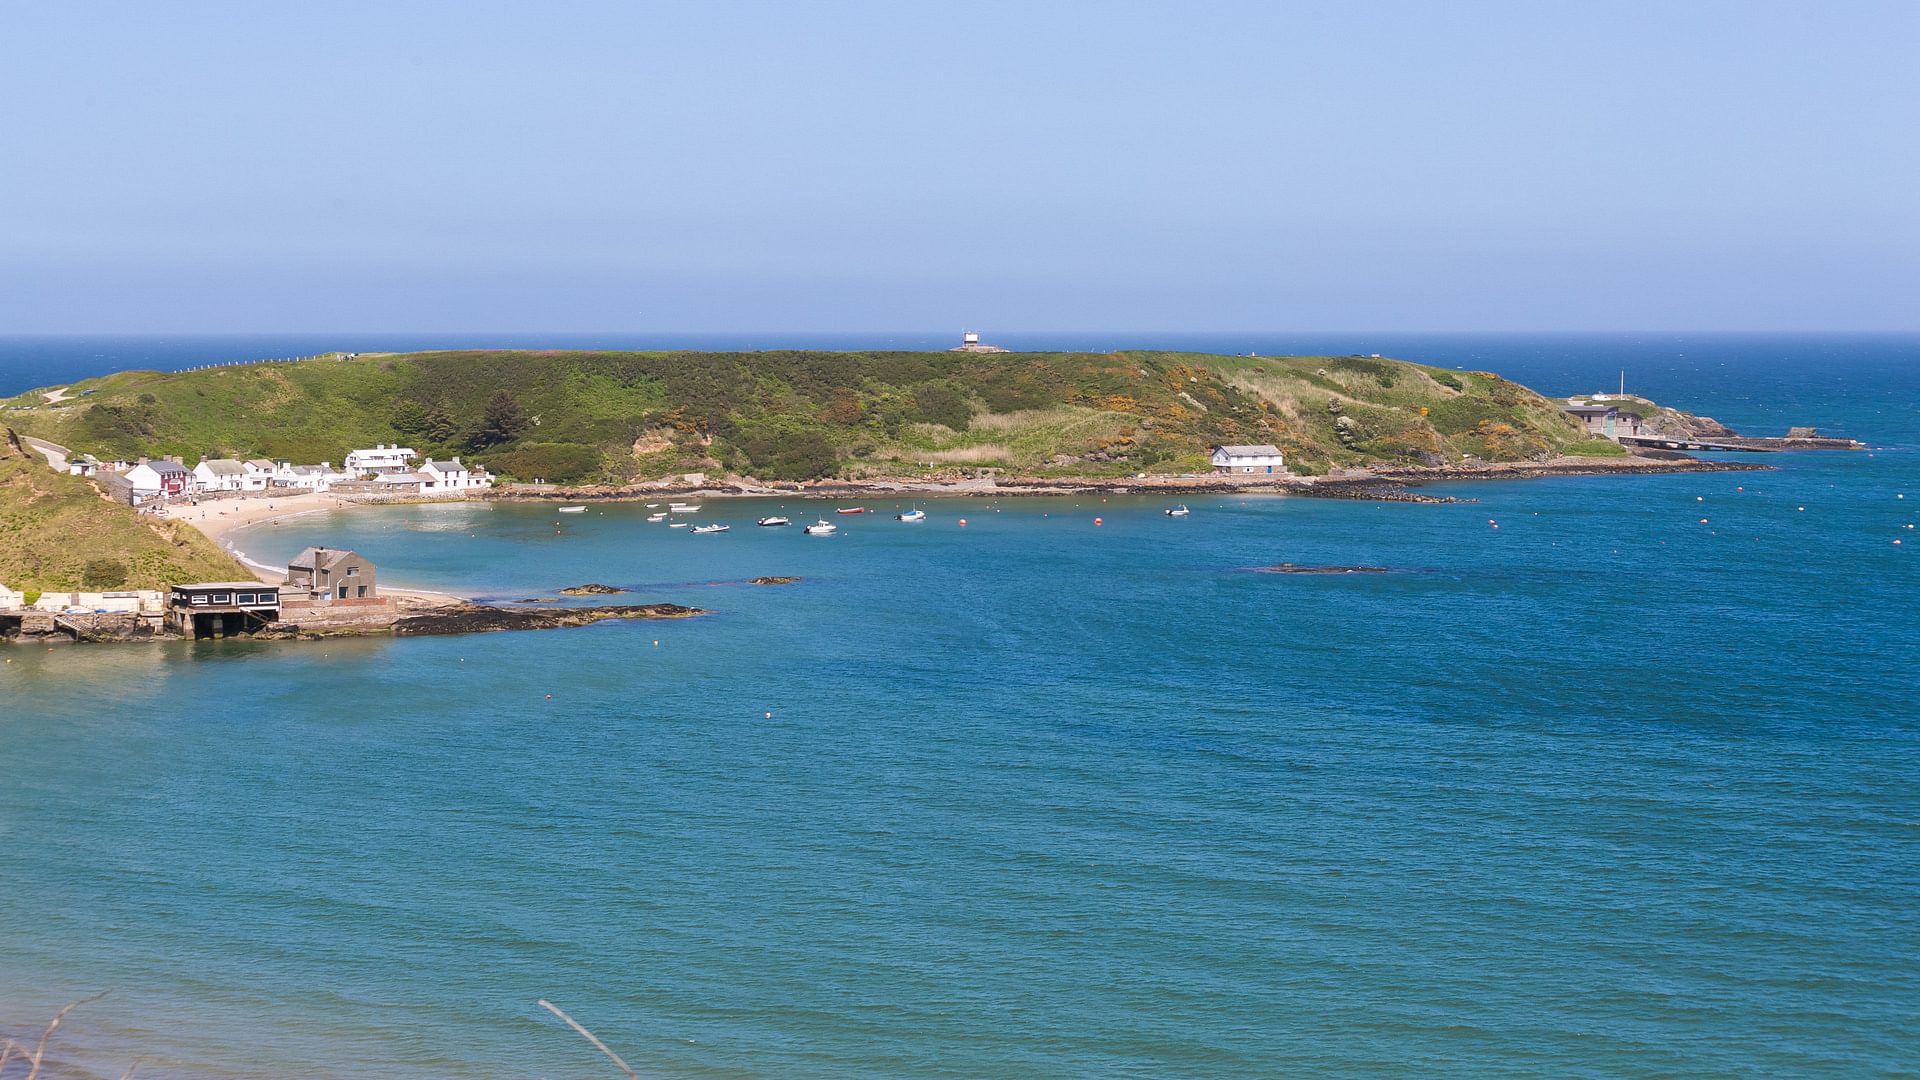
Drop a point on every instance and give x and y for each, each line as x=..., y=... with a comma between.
x=1353, y=483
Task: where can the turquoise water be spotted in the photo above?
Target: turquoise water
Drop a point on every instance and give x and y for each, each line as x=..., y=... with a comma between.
x=1603, y=791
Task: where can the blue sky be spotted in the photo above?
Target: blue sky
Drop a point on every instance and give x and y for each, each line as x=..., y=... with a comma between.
x=722, y=166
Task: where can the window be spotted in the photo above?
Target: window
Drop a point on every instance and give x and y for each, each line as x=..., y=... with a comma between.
x=353, y=571
x=243, y=598
x=363, y=590
x=199, y=599
x=343, y=592
x=222, y=598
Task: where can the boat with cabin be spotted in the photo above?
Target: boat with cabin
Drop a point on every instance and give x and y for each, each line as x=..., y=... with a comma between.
x=773, y=522
x=821, y=528
x=911, y=515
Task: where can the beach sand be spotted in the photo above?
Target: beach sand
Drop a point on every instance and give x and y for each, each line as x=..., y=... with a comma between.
x=216, y=518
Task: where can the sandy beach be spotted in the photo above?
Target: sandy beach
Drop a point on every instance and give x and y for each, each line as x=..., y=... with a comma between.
x=216, y=518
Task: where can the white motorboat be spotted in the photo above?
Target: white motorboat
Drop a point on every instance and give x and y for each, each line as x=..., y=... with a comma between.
x=656, y=517
x=1178, y=511
x=771, y=522
x=701, y=530
x=821, y=528
x=573, y=509
x=678, y=525
x=911, y=515
x=685, y=508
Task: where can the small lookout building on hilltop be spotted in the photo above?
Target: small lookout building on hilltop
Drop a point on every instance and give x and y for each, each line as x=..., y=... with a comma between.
x=970, y=342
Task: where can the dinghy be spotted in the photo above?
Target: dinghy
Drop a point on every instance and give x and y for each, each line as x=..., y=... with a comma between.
x=573, y=509
x=701, y=530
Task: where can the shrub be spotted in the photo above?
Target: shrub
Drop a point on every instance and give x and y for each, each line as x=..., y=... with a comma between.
x=560, y=462
x=801, y=455
x=103, y=574
x=940, y=403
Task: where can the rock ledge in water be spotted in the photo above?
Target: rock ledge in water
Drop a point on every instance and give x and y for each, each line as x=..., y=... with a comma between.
x=477, y=619
x=773, y=581
x=591, y=590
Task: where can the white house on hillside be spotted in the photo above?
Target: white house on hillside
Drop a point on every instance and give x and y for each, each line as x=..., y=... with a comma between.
x=453, y=476
x=1263, y=460
x=380, y=460
x=218, y=474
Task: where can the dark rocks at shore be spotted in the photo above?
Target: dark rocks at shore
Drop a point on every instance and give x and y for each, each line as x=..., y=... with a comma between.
x=591, y=590
x=478, y=619
x=773, y=581
x=1290, y=568
x=539, y=600
x=1370, y=492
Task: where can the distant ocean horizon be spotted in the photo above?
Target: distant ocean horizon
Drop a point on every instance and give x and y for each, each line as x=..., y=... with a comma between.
x=1742, y=378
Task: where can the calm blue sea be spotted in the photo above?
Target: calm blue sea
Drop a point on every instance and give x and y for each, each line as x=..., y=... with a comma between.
x=1609, y=790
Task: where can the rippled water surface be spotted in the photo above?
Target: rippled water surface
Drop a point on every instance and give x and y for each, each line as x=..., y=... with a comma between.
x=1605, y=790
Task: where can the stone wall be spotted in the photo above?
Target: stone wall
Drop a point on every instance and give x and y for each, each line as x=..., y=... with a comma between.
x=362, y=616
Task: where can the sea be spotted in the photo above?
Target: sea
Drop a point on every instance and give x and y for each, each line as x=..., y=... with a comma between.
x=1607, y=776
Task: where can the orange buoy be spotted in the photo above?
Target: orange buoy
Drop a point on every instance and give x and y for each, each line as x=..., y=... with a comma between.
x=1096, y=521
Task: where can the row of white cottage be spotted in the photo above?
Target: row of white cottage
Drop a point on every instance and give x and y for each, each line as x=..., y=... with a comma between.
x=388, y=465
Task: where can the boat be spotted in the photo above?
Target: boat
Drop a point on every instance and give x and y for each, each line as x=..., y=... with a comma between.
x=704, y=529
x=573, y=509
x=656, y=517
x=851, y=510
x=1178, y=511
x=911, y=515
x=685, y=508
x=652, y=505
x=678, y=525
x=770, y=522
x=822, y=528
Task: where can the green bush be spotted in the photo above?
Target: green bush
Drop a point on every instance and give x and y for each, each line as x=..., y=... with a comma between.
x=940, y=403
x=103, y=574
x=775, y=455
x=563, y=463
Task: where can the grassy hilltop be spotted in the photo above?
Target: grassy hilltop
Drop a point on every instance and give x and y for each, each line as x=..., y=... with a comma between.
x=59, y=532
x=621, y=416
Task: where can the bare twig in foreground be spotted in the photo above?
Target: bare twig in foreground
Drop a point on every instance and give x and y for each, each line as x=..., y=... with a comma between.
x=572, y=1023
x=40, y=1050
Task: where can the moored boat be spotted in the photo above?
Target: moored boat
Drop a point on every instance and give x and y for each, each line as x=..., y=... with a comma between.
x=851, y=510
x=822, y=528
x=678, y=525
x=656, y=517
x=715, y=528
x=685, y=508
x=770, y=522
x=573, y=509
x=1178, y=511
x=911, y=515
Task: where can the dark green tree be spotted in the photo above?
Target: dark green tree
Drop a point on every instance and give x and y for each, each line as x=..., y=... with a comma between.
x=503, y=422
x=439, y=426
x=103, y=574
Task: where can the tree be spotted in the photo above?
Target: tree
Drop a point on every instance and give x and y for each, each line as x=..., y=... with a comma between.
x=439, y=425
x=409, y=418
x=503, y=422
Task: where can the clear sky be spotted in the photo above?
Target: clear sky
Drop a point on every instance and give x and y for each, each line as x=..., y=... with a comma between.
x=709, y=165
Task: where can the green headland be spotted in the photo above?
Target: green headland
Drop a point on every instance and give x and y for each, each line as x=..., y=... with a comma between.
x=622, y=417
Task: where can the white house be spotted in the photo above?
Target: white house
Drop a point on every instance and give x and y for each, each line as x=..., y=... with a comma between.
x=380, y=460
x=256, y=474
x=308, y=477
x=218, y=474
x=1263, y=460
x=10, y=599
x=409, y=483
x=151, y=479
x=453, y=476
x=84, y=465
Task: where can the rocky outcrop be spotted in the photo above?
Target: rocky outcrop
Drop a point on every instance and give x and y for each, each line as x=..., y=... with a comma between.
x=591, y=590
x=773, y=581
x=1290, y=568
x=477, y=619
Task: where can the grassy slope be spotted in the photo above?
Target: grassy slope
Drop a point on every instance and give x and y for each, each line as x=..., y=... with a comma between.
x=781, y=415
x=52, y=525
